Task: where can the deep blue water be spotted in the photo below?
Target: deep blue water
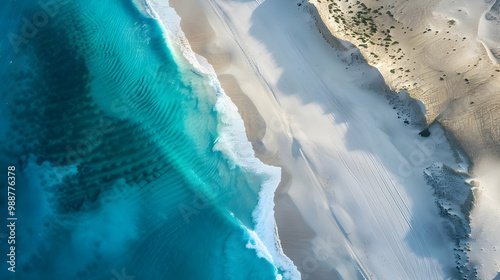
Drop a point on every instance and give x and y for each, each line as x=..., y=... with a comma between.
x=115, y=147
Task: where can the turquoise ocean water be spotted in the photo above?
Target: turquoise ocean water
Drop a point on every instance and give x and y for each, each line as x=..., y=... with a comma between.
x=129, y=161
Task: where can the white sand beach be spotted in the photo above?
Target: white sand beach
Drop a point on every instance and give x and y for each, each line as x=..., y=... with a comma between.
x=353, y=200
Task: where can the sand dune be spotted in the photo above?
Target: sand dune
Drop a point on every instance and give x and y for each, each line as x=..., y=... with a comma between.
x=444, y=53
x=436, y=51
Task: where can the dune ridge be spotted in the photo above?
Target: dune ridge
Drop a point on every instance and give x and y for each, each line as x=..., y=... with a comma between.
x=435, y=50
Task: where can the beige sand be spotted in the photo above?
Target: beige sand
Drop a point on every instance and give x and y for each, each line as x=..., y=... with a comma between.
x=431, y=49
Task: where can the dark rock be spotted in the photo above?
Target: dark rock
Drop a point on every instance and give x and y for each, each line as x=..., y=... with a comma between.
x=425, y=133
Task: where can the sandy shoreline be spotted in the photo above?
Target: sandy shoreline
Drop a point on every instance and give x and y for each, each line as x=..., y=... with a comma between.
x=332, y=202
x=203, y=41
x=202, y=37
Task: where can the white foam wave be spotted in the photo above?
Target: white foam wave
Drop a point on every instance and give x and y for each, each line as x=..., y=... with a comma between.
x=233, y=143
